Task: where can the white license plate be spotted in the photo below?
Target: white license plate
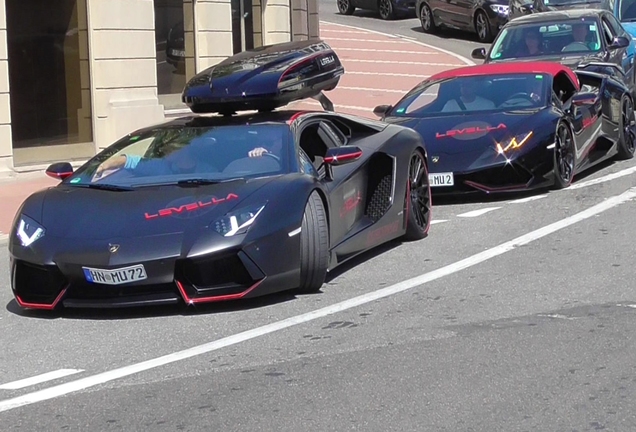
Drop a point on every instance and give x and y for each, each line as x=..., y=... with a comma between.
x=441, y=179
x=116, y=276
x=177, y=53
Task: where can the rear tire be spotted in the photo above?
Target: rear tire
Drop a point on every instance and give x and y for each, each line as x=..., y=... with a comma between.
x=345, y=7
x=482, y=27
x=627, y=129
x=418, y=199
x=426, y=20
x=385, y=7
x=314, y=246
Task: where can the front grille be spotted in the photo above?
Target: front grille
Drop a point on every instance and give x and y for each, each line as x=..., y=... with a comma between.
x=510, y=175
x=88, y=291
x=36, y=283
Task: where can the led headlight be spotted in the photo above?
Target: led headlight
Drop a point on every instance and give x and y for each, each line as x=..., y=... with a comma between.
x=513, y=143
x=238, y=221
x=28, y=231
x=500, y=9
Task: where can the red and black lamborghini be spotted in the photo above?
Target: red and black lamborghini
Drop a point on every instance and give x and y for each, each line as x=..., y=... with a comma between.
x=516, y=126
x=220, y=207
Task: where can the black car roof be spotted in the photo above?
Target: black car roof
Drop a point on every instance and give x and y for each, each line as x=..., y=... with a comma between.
x=247, y=118
x=557, y=15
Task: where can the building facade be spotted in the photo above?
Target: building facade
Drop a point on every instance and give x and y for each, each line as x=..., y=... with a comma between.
x=76, y=75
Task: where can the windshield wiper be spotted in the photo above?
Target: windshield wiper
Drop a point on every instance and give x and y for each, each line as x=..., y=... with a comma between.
x=108, y=187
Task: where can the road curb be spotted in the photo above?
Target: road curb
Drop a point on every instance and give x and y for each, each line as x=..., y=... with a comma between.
x=394, y=36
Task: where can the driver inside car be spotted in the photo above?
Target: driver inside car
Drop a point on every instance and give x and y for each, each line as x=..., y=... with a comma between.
x=468, y=99
x=186, y=160
x=580, y=32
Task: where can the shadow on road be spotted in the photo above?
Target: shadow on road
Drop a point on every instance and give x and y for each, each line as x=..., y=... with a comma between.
x=451, y=34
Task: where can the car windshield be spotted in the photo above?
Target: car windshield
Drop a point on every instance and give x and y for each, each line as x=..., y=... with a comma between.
x=553, y=38
x=494, y=93
x=627, y=11
x=175, y=155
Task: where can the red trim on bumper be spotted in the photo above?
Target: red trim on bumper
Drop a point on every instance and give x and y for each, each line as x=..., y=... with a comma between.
x=211, y=299
x=41, y=306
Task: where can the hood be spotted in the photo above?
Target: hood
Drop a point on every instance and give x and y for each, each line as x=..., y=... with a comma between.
x=463, y=142
x=92, y=214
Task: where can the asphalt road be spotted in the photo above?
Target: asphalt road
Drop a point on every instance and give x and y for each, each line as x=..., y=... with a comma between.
x=539, y=337
x=459, y=42
x=497, y=332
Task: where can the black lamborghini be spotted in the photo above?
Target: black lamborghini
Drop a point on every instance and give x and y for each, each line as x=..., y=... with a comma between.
x=221, y=207
x=516, y=126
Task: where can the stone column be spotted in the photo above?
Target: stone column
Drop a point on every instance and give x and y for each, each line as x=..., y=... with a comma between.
x=6, y=141
x=123, y=68
x=213, y=32
x=277, y=21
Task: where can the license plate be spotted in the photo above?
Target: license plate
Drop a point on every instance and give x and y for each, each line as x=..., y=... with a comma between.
x=441, y=179
x=177, y=53
x=116, y=276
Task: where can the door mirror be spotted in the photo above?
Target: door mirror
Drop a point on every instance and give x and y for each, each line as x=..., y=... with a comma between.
x=60, y=170
x=342, y=155
x=479, y=53
x=382, y=110
x=586, y=98
x=619, y=42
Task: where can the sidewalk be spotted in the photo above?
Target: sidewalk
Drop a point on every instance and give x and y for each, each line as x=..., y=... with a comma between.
x=379, y=69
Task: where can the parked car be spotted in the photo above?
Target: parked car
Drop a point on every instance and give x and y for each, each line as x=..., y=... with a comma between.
x=516, y=126
x=525, y=7
x=388, y=9
x=175, y=46
x=581, y=38
x=484, y=17
x=216, y=208
x=625, y=11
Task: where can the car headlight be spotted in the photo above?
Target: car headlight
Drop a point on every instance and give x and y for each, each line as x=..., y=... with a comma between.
x=238, y=221
x=28, y=231
x=500, y=9
x=513, y=143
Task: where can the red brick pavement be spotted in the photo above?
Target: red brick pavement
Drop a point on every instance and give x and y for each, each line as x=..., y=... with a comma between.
x=379, y=69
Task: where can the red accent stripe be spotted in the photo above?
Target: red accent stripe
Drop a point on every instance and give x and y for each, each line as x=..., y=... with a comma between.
x=218, y=298
x=345, y=157
x=62, y=175
x=42, y=306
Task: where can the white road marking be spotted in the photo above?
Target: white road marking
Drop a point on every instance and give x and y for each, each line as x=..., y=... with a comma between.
x=479, y=212
x=39, y=379
x=3, y=236
x=372, y=90
x=405, y=37
x=603, y=179
x=387, y=51
x=367, y=40
x=386, y=74
x=338, y=106
x=104, y=377
x=436, y=49
x=437, y=221
x=528, y=199
x=398, y=62
x=323, y=29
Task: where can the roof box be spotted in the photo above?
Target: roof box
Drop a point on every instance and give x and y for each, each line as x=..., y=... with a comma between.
x=265, y=78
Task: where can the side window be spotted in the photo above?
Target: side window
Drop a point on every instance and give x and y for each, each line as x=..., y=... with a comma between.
x=615, y=26
x=329, y=132
x=306, y=167
x=607, y=32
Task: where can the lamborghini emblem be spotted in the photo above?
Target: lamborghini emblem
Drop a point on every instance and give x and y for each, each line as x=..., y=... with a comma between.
x=435, y=159
x=113, y=247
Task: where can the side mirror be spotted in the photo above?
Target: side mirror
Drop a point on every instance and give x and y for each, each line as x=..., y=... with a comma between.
x=60, y=170
x=619, y=42
x=587, y=98
x=479, y=53
x=382, y=110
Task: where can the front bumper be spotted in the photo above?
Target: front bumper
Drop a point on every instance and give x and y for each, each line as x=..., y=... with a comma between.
x=503, y=178
x=215, y=275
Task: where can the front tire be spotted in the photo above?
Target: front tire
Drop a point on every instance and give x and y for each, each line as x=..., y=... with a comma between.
x=626, y=131
x=345, y=7
x=418, y=198
x=314, y=246
x=482, y=27
x=385, y=7
x=426, y=20
x=564, y=157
